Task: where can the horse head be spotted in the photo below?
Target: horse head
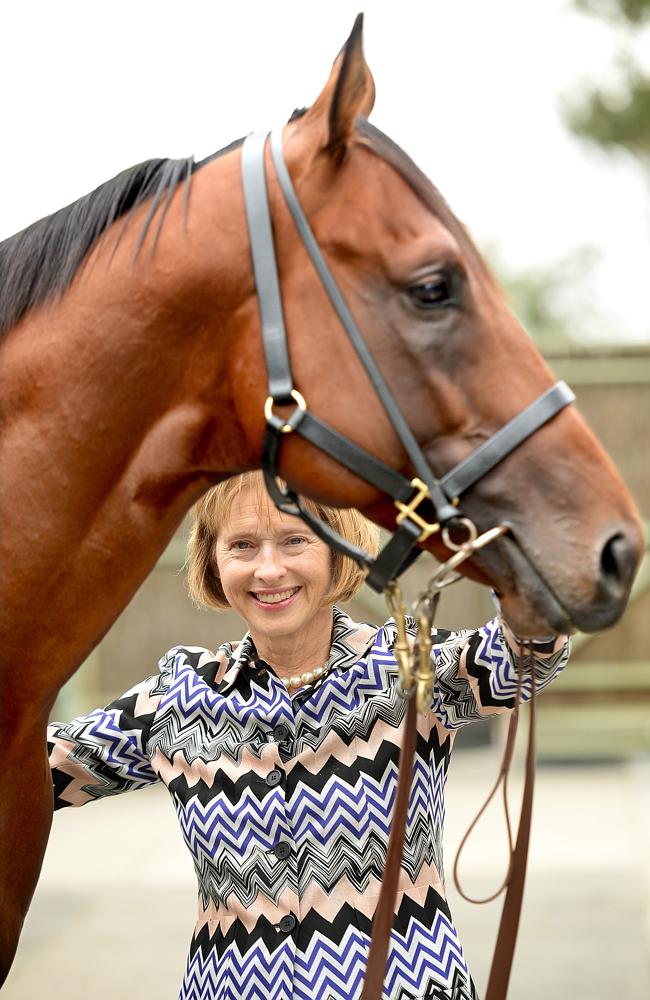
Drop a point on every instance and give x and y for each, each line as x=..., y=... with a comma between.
x=456, y=359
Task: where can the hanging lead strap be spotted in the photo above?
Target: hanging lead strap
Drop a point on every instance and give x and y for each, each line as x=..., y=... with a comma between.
x=382, y=921
x=497, y=988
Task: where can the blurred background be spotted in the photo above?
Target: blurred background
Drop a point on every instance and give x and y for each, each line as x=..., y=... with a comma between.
x=534, y=121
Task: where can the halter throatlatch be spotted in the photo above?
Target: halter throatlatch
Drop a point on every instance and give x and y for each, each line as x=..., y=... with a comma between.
x=424, y=503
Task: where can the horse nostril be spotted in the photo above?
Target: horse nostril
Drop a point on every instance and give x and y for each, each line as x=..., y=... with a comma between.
x=618, y=562
x=619, y=558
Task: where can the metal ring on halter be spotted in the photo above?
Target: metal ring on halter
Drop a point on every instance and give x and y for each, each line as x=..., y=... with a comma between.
x=268, y=410
x=445, y=574
x=470, y=528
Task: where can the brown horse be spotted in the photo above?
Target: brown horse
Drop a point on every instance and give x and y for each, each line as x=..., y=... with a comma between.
x=132, y=377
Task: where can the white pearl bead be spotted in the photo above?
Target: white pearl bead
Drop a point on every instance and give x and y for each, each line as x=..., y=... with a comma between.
x=307, y=678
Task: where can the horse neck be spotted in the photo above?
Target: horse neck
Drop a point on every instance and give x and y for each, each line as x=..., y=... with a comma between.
x=119, y=406
x=140, y=348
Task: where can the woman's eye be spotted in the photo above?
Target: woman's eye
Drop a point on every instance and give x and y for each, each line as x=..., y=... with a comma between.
x=240, y=545
x=434, y=293
x=296, y=540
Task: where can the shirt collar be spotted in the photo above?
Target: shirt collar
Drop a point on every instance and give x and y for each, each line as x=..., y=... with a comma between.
x=350, y=640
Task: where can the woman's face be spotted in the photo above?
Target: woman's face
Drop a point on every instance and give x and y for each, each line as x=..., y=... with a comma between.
x=274, y=571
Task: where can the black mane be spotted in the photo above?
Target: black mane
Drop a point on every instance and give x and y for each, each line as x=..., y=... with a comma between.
x=42, y=260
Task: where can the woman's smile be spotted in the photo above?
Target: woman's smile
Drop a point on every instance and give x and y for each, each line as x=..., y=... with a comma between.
x=275, y=600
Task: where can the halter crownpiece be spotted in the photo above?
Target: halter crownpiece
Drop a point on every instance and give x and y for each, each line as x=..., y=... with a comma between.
x=410, y=496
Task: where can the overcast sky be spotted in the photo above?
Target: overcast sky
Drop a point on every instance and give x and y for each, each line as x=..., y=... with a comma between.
x=471, y=89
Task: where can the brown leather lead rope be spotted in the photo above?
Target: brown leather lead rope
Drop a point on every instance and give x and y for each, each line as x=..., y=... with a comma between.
x=502, y=781
x=509, y=924
x=497, y=988
x=382, y=922
x=499, y=978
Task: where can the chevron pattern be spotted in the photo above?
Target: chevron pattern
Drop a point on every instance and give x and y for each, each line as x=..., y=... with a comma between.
x=332, y=965
x=285, y=804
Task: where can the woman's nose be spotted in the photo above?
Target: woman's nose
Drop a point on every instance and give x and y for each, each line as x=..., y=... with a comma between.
x=270, y=566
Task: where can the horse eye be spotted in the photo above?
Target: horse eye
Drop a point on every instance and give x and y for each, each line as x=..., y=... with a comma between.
x=432, y=294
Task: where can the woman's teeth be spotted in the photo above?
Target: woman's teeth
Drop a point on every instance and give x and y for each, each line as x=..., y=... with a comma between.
x=284, y=595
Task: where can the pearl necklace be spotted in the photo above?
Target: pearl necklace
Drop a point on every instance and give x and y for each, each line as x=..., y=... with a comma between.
x=307, y=678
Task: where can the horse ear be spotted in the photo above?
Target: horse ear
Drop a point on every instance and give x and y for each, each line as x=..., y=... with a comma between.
x=354, y=92
x=350, y=91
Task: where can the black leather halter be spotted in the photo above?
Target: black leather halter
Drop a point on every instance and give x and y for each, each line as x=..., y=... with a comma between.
x=439, y=497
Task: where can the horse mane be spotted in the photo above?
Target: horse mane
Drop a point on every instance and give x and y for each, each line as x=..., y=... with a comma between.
x=42, y=260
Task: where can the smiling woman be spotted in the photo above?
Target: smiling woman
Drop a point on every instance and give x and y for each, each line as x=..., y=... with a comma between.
x=280, y=754
x=212, y=510
x=273, y=570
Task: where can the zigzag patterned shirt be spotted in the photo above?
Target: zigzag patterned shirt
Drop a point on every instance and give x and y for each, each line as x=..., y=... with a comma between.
x=285, y=804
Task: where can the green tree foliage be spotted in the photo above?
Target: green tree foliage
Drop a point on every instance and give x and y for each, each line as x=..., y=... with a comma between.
x=617, y=117
x=635, y=12
x=557, y=302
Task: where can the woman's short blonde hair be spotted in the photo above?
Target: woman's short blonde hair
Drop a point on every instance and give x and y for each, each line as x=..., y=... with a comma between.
x=212, y=511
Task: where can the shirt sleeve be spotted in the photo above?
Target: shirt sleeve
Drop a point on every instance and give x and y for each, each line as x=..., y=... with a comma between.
x=104, y=753
x=476, y=671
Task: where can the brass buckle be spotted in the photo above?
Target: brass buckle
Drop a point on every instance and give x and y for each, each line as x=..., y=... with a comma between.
x=268, y=410
x=409, y=510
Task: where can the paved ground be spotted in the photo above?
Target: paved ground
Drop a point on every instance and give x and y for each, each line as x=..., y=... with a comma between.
x=115, y=907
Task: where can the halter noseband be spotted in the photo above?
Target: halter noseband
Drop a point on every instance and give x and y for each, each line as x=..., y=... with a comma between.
x=437, y=496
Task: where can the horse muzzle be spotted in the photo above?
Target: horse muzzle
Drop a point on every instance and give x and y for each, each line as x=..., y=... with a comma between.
x=544, y=591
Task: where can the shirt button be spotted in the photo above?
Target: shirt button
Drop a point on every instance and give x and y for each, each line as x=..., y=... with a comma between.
x=274, y=778
x=288, y=923
x=281, y=732
x=282, y=850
